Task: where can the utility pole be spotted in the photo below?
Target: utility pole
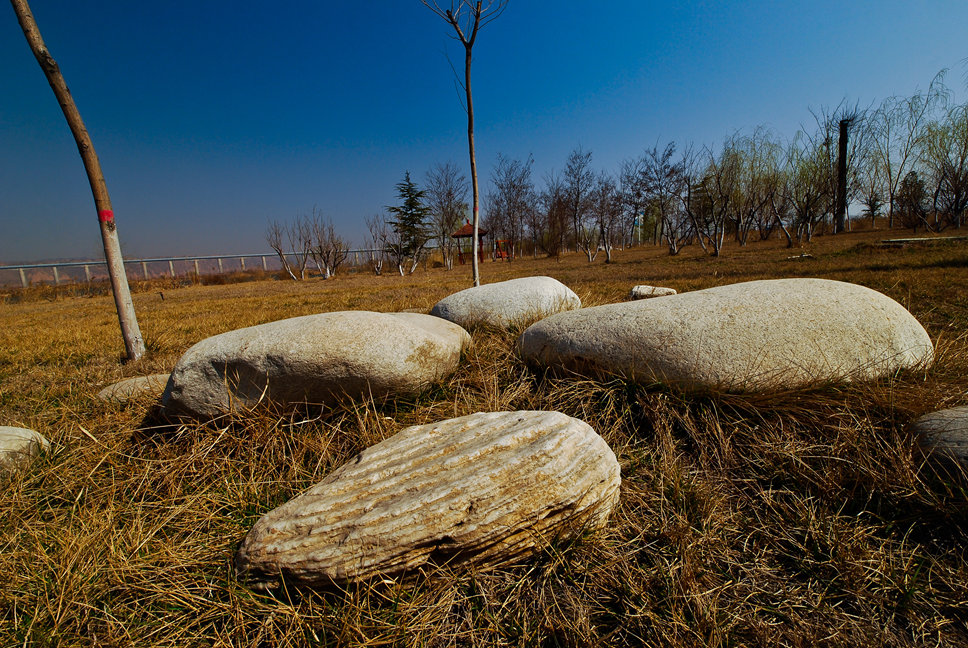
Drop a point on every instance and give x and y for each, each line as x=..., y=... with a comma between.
x=840, y=220
x=133, y=343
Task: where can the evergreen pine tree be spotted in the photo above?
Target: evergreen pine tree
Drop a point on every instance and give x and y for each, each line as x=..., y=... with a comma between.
x=409, y=223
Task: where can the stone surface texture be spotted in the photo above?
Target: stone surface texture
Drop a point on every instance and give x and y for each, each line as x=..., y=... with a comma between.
x=481, y=489
x=314, y=359
x=18, y=444
x=133, y=388
x=648, y=292
x=945, y=431
x=507, y=303
x=752, y=336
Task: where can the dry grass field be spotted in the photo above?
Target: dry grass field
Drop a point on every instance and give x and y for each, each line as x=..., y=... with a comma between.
x=788, y=519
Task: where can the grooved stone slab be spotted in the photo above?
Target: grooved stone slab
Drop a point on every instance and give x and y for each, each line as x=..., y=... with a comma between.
x=506, y=303
x=758, y=335
x=482, y=489
x=945, y=431
x=131, y=388
x=17, y=444
x=314, y=359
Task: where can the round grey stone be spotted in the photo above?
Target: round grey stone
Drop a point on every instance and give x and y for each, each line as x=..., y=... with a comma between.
x=314, y=359
x=507, y=303
x=758, y=335
x=946, y=432
x=648, y=292
x=19, y=444
x=131, y=389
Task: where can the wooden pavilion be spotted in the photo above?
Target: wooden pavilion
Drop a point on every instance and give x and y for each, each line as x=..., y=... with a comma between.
x=466, y=234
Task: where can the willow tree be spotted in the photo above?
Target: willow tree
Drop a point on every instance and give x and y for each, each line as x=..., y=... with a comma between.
x=466, y=18
x=133, y=342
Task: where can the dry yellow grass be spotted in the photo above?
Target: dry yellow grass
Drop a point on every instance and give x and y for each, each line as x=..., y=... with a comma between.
x=793, y=519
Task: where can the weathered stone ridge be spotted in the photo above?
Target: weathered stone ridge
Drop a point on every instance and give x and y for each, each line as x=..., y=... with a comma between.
x=483, y=489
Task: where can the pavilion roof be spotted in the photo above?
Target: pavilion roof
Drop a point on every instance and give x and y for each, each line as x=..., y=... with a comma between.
x=467, y=230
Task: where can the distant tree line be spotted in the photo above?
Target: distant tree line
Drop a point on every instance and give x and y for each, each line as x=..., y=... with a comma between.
x=904, y=161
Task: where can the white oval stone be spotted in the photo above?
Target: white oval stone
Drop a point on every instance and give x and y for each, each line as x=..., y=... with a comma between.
x=752, y=336
x=648, y=292
x=18, y=444
x=507, y=303
x=314, y=359
x=946, y=432
x=481, y=489
x=133, y=388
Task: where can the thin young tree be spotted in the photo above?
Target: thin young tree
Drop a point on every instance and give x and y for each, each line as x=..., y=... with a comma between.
x=446, y=198
x=467, y=18
x=375, y=242
x=632, y=194
x=513, y=199
x=133, y=342
x=300, y=237
x=554, y=203
x=275, y=237
x=579, y=178
x=897, y=132
x=945, y=162
x=607, y=209
x=667, y=186
x=327, y=248
x=721, y=184
x=810, y=184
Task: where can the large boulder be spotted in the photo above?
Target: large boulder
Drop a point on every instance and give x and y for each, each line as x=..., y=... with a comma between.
x=482, y=489
x=759, y=335
x=19, y=444
x=314, y=359
x=507, y=303
x=945, y=432
x=130, y=389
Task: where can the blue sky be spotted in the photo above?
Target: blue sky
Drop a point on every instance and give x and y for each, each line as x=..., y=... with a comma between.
x=210, y=118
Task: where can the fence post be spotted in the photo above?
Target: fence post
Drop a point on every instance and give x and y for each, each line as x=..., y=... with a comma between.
x=171, y=268
x=196, y=269
x=242, y=261
x=144, y=270
x=56, y=277
x=87, y=273
x=264, y=268
x=220, y=265
x=23, y=278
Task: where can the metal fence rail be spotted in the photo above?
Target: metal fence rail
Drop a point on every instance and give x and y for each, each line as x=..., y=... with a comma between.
x=267, y=261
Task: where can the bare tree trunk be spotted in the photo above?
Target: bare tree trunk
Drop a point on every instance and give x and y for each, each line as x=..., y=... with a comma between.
x=133, y=342
x=476, y=14
x=779, y=221
x=475, y=192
